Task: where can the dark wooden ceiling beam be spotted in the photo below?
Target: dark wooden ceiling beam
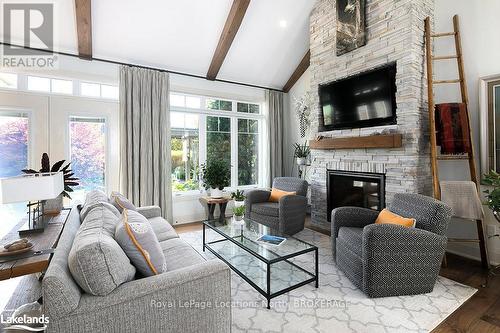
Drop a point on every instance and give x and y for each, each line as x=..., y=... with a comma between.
x=233, y=22
x=301, y=68
x=83, y=14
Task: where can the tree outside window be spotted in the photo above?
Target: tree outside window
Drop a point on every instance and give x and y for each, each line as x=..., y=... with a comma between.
x=184, y=152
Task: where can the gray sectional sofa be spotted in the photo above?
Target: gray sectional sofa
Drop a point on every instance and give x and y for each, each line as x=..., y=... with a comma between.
x=192, y=296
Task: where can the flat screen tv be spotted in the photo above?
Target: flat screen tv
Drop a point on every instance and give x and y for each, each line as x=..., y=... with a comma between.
x=367, y=99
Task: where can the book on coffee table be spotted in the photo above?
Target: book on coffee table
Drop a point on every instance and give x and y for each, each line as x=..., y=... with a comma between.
x=271, y=240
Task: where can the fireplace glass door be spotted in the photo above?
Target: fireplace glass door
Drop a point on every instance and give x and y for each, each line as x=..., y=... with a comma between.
x=347, y=188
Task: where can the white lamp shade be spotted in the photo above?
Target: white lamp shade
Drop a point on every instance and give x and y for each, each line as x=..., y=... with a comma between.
x=32, y=187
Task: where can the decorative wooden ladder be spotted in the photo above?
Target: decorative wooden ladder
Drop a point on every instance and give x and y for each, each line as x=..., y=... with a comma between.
x=432, y=122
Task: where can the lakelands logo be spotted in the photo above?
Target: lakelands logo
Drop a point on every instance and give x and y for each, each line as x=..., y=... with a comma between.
x=27, y=323
x=29, y=35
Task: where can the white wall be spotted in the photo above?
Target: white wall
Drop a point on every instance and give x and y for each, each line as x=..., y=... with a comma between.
x=291, y=123
x=480, y=31
x=481, y=50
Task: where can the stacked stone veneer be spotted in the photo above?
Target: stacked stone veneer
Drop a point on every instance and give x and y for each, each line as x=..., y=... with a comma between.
x=394, y=34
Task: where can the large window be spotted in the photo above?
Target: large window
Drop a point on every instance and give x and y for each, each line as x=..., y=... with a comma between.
x=185, y=151
x=88, y=153
x=14, y=138
x=208, y=128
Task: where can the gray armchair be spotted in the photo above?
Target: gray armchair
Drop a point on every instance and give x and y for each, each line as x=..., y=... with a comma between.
x=391, y=260
x=287, y=216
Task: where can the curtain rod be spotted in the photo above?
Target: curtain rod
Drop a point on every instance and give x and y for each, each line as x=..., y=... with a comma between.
x=114, y=62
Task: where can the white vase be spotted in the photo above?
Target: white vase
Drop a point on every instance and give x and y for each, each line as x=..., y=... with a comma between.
x=238, y=203
x=301, y=160
x=216, y=193
x=237, y=218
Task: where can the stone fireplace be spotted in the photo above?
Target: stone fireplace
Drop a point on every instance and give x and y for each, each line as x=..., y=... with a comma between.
x=394, y=34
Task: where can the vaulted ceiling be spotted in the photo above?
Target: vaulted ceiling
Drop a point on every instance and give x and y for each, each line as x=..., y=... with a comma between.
x=183, y=35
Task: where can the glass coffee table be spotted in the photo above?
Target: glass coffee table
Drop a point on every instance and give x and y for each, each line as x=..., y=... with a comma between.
x=267, y=268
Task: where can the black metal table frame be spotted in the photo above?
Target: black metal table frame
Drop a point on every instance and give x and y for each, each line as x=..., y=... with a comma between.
x=266, y=293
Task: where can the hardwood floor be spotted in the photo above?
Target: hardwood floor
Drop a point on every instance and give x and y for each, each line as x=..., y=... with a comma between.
x=480, y=314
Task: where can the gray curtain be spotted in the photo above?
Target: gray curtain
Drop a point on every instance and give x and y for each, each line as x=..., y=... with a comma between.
x=276, y=157
x=145, y=138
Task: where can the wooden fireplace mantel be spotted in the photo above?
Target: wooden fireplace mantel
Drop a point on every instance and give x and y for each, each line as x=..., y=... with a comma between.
x=370, y=141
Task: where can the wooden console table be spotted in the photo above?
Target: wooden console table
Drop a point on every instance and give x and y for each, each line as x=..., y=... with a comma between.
x=41, y=241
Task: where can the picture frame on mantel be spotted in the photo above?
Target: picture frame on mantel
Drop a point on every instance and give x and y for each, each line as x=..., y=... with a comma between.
x=351, y=32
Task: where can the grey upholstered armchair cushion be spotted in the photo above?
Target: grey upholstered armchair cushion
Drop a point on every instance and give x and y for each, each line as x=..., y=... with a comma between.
x=291, y=184
x=266, y=208
x=96, y=261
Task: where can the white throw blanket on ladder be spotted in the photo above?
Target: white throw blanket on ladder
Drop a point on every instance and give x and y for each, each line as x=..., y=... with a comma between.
x=463, y=197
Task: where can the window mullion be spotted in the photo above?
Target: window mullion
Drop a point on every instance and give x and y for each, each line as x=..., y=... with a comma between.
x=234, y=152
x=203, y=138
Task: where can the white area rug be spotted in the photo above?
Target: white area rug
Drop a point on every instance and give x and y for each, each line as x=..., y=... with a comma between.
x=337, y=305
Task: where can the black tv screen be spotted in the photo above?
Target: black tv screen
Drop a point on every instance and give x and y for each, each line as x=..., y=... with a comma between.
x=367, y=99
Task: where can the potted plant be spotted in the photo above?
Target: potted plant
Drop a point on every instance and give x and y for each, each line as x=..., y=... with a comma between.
x=238, y=197
x=239, y=213
x=493, y=195
x=215, y=175
x=301, y=153
x=54, y=206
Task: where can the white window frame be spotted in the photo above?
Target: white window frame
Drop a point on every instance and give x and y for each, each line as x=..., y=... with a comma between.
x=22, y=85
x=233, y=115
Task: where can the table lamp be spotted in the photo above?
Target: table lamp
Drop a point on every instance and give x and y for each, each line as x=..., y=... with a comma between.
x=34, y=188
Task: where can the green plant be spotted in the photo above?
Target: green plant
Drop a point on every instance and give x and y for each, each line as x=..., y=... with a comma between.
x=239, y=211
x=493, y=196
x=238, y=195
x=215, y=174
x=301, y=151
x=69, y=180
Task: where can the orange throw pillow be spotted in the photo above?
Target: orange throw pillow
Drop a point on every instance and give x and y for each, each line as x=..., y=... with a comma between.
x=386, y=216
x=277, y=194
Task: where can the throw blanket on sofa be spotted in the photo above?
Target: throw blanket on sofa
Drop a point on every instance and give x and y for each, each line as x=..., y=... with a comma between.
x=452, y=126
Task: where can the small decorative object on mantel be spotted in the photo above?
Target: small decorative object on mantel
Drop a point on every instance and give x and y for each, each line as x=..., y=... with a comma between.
x=238, y=197
x=350, y=25
x=303, y=111
x=54, y=206
x=216, y=175
x=319, y=137
x=301, y=153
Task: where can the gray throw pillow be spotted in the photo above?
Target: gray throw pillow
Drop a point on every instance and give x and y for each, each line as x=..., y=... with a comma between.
x=96, y=261
x=121, y=202
x=92, y=198
x=137, y=238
